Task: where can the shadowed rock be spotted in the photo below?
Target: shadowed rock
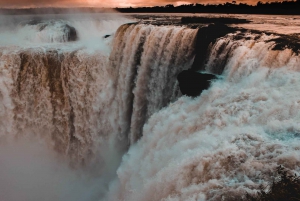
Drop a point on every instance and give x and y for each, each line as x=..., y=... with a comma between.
x=72, y=34
x=286, y=42
x=223, y=20
x=206, y=36
x=192, y=83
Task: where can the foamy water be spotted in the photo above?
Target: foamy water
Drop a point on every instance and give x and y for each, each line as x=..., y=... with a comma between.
x=226, y=142
x=70, y=110
x=56, y=139
x=77, y=98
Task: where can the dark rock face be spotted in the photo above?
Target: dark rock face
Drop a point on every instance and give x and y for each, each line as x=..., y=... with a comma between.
x=223, y=20
x=72, y=34
x=192, y=83
x=206, y=36
x=287, y=42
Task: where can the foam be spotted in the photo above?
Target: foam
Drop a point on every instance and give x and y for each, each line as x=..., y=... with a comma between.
x=77, y=100
x=224, y=143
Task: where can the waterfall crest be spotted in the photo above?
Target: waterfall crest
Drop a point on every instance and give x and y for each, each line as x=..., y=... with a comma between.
x=114, y=91
x=226, y=142
x=147, y=60
x=78, y=100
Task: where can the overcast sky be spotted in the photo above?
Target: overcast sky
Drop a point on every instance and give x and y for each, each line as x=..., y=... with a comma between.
x=107, y=3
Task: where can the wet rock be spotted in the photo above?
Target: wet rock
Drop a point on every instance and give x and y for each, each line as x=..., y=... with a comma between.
x=192, y=83
x=72, y=34
x=206, y=36
x=205, y=20
x=287, y=42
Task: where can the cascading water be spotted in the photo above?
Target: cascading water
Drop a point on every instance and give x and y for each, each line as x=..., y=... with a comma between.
x=64, y=94
x=226, y=142
x=94, y=95
x=147, y=60
x=82, y=101
x=58, y=95
x=252, y=51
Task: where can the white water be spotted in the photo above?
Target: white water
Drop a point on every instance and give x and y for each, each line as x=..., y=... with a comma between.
x=151, y=59
x=57, y=142
x=69, y=110
x=66, y=107
x=226, y=142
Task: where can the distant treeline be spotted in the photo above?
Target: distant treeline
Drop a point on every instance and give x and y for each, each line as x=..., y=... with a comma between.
x=278, y=7
x=283, y=7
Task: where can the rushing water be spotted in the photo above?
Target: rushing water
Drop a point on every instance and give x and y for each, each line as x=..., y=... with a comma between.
x=71, y=107
x=226, y=142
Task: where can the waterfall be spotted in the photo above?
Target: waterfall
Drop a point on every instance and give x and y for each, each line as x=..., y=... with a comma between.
x=147, y=60
x=102, y=112
x=228, y=141
x=60, y=96
x=241, y=52
x=78, y=99
x=84, y=103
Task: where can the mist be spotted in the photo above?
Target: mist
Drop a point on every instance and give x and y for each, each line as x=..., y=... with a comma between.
x=34, y=166
x=39, y=30
x=100, y=116
x=31, y=171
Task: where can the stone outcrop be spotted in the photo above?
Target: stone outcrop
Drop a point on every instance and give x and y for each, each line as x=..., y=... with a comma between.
x=192, y=83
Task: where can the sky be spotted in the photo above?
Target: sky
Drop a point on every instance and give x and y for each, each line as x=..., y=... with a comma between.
x=107, y=3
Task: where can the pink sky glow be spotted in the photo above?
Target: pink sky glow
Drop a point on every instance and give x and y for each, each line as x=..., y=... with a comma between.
x=107, y=3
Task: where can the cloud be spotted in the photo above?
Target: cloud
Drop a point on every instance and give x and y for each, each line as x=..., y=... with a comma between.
x=58, y=3
x=108, y=3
